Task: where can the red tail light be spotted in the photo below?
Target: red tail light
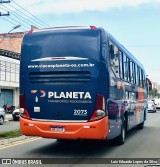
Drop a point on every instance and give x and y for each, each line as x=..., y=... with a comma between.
x=29, y=32
x=23, y=109
x=93, y=27
x=99, y=109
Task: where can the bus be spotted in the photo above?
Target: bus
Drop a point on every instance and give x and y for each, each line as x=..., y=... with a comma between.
x=79, y=83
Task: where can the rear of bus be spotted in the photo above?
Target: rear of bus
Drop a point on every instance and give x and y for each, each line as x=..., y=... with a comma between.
x=63, y=81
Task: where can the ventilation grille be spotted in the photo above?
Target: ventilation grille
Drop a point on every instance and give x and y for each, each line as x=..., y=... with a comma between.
x=68, y=77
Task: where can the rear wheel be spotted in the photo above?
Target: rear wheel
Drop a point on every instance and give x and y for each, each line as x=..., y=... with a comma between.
x=121, y=139
x=1, y=120
x=141, y=125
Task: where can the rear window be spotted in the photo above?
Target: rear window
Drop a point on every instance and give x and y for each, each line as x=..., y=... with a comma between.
x=76, y=43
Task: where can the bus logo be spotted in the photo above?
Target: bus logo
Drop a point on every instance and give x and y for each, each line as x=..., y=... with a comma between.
x=43, y=94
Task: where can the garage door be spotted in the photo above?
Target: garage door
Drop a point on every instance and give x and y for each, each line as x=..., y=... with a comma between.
x=6, y=97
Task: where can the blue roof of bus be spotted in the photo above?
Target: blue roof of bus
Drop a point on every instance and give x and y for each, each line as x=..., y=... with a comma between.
x=64, y=28
x=93, y=28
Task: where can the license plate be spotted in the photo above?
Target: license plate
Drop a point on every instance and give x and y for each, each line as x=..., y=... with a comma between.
x=58, y=128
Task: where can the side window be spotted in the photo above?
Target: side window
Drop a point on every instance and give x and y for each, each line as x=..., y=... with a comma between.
x=132, y=72
x=137, y=78
x=115, y=59
x=121, y=65
x=140, y=78
x=144, y=80
x=136, y=81
x=126, y=68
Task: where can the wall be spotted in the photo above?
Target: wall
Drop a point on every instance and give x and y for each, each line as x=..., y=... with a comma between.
x=11, y=41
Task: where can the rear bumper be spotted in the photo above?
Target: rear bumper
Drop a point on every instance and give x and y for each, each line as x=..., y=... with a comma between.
x=89, y=130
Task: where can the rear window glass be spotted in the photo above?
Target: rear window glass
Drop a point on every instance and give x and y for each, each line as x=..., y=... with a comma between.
x=82, y=43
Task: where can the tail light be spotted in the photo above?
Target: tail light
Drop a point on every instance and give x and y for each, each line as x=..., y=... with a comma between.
x=30, y=31
x=23, y=109
x=99, y=109
x=93, y=27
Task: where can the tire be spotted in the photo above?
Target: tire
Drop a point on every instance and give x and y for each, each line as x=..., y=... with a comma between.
x=65, y=140
x=15, y=119
x=1, y=120
x=141, y=125
x=121, y=139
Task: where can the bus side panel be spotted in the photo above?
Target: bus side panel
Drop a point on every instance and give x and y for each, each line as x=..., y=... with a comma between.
x=126, y=101
x=116, y=107
x=141, y=107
